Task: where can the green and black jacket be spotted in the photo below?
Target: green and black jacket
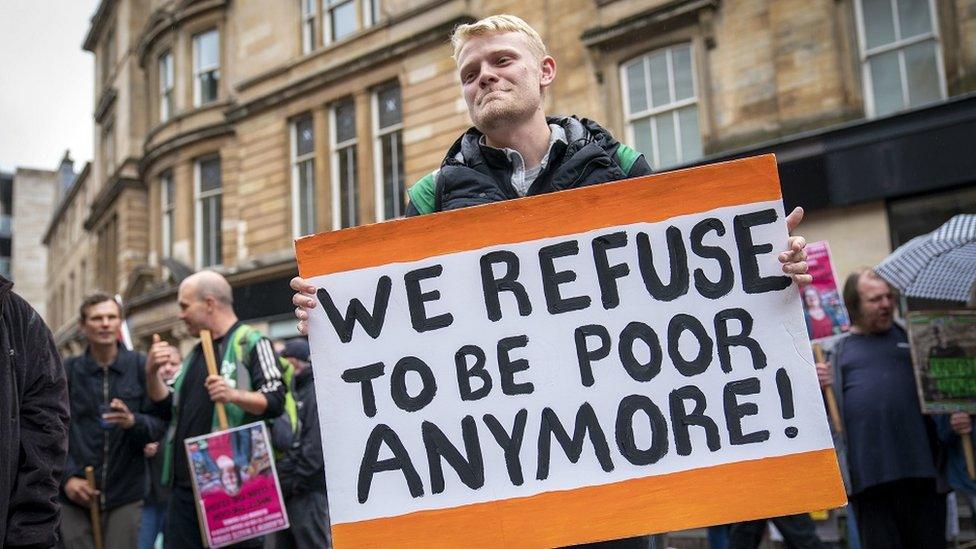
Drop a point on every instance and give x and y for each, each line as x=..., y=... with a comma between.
x=473, y=173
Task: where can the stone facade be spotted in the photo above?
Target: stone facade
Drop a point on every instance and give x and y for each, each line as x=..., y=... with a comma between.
x=763, y=70
x=71, y=268
x=35, y=193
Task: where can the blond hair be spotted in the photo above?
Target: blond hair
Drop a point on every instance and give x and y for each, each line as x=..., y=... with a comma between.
x=497, y=24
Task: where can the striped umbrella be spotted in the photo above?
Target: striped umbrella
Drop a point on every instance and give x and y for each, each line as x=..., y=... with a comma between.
x=938, y=265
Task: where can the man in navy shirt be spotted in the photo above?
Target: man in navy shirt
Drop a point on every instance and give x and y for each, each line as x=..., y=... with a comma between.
x=891, y=446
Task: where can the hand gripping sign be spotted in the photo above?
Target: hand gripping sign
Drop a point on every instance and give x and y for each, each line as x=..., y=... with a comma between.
x=606, y=362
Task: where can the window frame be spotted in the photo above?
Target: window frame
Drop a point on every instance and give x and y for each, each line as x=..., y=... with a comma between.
x=110, y=54
x=370, y=10
x=166, y=209
x=899, y=45
x=296, y=166
x=651, y=111
x=198, y=198
x=337, y=149
x=198, y=71
x=166, y=88
x=308, y=22
x=108, y=146
x=378, y=134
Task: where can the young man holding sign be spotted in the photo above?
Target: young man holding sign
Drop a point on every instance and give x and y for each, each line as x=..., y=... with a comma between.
x=249, y=385
x=514, y=151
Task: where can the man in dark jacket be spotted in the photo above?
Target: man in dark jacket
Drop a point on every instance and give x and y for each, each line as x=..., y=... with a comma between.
x=111, y=425
x=34, y=440
x=302, y=470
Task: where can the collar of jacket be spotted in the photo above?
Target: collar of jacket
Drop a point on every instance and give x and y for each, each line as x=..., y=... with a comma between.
x=467, y=150
x=93, y=366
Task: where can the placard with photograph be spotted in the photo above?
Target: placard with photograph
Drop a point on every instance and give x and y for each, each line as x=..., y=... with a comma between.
x=235, y=484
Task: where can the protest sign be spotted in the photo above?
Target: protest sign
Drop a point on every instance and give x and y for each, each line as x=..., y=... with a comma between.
x=235, y=484
x=823, y=308
x=593, y=364
x=944, y=354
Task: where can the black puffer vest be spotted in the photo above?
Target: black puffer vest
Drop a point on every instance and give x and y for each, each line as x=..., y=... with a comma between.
x=474, y=174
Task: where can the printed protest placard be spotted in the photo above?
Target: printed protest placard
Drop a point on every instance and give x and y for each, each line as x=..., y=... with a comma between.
x=234, y=480
x=944, y=355
x=593, y=364
x=823, y=307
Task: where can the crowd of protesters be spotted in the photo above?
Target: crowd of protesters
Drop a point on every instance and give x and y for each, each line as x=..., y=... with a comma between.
x=130, y=412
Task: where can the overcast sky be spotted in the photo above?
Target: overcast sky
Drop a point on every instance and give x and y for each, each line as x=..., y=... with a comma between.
x=45, y=83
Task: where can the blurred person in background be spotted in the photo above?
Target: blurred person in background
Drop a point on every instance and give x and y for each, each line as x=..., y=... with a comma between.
x=891, y=447
x=302, y=470
x=111, y=423
x=154, y=507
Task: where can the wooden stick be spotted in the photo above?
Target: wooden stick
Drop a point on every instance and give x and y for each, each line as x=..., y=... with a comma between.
x=967, y=449
x=96, y=518
x=832, y=409
x=208, y=354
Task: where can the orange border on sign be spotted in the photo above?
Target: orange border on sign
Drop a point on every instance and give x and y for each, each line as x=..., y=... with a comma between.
x=773, y=486
x=766, y=487
x=644, y=199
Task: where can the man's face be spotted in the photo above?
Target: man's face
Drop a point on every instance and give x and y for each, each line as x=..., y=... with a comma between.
x=101, y=324
x=193, y=311
x=502, y=80
x=877, y=306
x=229, y=480
x=169, y=370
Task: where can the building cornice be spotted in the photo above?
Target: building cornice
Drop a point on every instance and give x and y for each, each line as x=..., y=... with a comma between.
x=639, y=24
x=105, y=102
x=98, y=22
x=113, y=188
x=431, y=35
x=151, y=154
x=66, y=202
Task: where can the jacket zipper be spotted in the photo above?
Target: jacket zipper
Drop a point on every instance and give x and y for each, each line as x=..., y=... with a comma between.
x=15, y=404
x=105, y=433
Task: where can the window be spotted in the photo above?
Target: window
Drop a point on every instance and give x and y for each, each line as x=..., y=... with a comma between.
x=388, y=152
x=206, y=67
x=303, y=176
x=339, y=19
x=345, y=187
x=661, y=106
x=208, y=191
x=900, y=56
x=308, y=25
x=371, y=12
x=108, y=57
x=108, y=254
x=166, y=196
x=165, y=86
x=108, y=147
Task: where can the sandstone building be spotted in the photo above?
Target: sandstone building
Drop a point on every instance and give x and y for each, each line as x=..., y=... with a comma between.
x=225, y=129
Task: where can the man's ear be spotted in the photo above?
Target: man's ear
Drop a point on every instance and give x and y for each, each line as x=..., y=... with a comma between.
x=548, y=71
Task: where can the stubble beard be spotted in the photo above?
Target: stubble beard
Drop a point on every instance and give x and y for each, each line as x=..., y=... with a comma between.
x=501, y=113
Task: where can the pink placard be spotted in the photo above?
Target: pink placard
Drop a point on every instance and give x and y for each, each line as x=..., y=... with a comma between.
x=823, y=306
x=236, y=486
